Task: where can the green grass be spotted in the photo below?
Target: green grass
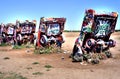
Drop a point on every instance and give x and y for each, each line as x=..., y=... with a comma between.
x=35, y=63
x=23, y=46
x=29, y=46
x=48, y=50
x=43, y=50
x=37, y=73
x=11, y=76
x=3, y=44
x=18, y=47
x=48, y=66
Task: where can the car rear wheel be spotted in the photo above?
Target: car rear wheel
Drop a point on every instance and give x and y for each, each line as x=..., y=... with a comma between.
x=44, y=40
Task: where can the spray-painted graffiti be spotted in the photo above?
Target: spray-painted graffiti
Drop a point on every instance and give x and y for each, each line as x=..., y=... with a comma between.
x=53, y=29
x=102, y=27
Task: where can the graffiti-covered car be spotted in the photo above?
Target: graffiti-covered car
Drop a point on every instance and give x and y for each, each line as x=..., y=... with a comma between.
x=25, y=32
x=50, y=31
x=7, y=33
x=2, y=32
x=10, y=33
x=95, y=34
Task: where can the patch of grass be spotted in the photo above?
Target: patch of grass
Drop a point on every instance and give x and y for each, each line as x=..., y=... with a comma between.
x=16, y=76
x=48, y=66
x=6, y=58
x=35, y=63
x=11, y=76
x=1, y=75
x=27, y=46
x=30, y=46
x=18, y=47
x=37, y=73
x=43, y=50
x=48, y=50
x=3, y=44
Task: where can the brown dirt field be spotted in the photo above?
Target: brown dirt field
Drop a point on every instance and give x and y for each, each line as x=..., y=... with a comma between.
x=21, y=62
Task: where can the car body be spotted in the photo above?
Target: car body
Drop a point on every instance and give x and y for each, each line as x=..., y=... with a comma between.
x=25, y=31
x=95, y=33
x=50, y=31
x=7, y=32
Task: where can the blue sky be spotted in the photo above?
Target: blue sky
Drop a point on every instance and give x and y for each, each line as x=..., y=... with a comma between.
x=73, y=10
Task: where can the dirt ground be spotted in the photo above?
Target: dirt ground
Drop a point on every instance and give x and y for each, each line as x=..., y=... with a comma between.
x=33, y=66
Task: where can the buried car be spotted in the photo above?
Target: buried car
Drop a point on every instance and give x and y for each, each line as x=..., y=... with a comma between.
x=50, y=31
x=25, y=32
x=7, y=33
x=2, y=32
x=10, y=32
x=95, y=35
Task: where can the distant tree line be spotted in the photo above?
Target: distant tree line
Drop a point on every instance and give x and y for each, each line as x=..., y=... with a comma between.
x=79, y=30
x=71, y=30
x=117, y=30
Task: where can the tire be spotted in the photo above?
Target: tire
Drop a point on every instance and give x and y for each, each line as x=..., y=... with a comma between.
x=112, y=43
x=44, y=40
x=77, y=57
x=32, y=39
x=19, y=37
x=75, y=49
